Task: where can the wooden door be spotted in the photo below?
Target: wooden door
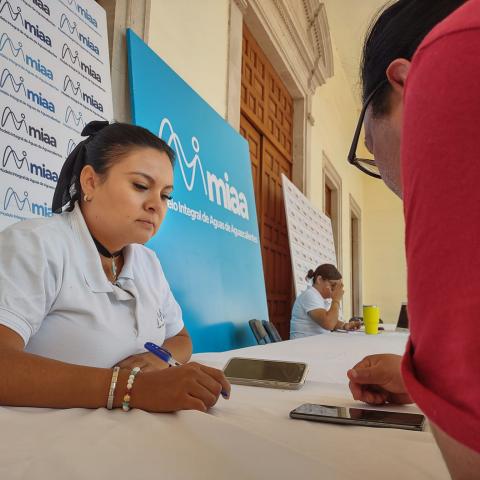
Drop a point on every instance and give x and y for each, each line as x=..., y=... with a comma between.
x=328, y=207
x=355, y=231
x=266, y=122
x=254, y=138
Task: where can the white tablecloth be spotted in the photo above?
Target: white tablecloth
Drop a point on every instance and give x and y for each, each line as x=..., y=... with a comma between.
x=249, y=436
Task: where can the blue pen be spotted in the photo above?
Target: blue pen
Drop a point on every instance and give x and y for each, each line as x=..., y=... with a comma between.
x=162, y=353
x=166, y=356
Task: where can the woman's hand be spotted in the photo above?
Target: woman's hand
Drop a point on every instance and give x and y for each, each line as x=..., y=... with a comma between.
x=188, y=387
x=147, y=361
x=377, y=380
x=337, y=292
x=352, y=325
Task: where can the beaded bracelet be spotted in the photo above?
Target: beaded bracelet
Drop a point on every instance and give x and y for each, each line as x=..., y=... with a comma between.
x=128, y=393
x=113, y=385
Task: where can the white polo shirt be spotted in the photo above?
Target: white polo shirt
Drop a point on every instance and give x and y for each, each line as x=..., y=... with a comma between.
x=56, y=296
x=301, y=325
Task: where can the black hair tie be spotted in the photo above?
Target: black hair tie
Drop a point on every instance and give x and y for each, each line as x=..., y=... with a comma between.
x=93, y=127
x=72, y=167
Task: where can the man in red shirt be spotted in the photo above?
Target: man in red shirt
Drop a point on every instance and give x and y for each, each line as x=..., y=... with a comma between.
x=430, y=122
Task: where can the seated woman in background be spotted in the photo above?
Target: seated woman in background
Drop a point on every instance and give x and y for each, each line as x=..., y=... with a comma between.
x=316, y=310
x=80, y=294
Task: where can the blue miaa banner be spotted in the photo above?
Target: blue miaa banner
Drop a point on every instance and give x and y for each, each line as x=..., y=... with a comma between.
x=209, y=244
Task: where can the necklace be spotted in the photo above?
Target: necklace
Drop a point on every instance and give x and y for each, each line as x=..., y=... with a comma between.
x=105, y=253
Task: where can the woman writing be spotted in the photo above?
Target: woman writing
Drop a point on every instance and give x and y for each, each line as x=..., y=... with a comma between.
x=80, y=294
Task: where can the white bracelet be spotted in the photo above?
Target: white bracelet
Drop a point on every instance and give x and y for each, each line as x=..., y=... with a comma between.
x=113, y=384
x=128, y=394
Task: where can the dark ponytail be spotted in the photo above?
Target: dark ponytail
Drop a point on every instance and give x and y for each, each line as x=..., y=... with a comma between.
x=396, y=32
x=327, y=271
x=105, y=144
x=310, y=275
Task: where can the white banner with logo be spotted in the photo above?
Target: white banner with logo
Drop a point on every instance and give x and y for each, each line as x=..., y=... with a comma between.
x=54, y=79
x=309, y=233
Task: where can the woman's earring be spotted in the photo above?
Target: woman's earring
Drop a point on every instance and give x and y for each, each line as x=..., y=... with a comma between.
x=86, y=198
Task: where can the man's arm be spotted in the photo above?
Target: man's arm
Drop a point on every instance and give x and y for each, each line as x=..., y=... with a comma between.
x=442, y=198
x=462, y=462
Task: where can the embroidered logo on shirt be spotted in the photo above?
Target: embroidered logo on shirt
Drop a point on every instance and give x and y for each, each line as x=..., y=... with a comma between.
x=160, y=319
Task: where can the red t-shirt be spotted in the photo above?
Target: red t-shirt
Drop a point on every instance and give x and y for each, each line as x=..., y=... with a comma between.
x=441, y=182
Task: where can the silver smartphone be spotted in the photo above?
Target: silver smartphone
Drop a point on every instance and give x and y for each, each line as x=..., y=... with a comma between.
x=359, y=416
x=266, y=373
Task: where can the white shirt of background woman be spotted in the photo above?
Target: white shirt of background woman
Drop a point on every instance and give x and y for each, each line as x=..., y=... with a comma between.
x=301, y=324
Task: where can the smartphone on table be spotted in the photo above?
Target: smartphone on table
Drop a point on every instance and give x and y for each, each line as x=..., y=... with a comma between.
x=359, y=416
x=266, y=373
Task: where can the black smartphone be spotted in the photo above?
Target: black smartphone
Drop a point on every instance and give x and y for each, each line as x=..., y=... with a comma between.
x=359, y=416
x=266, y=373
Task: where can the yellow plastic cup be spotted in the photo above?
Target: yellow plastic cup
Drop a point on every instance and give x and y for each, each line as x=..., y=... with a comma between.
x=371, y=319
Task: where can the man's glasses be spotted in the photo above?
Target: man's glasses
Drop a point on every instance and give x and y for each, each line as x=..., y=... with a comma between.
x=366, y=165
